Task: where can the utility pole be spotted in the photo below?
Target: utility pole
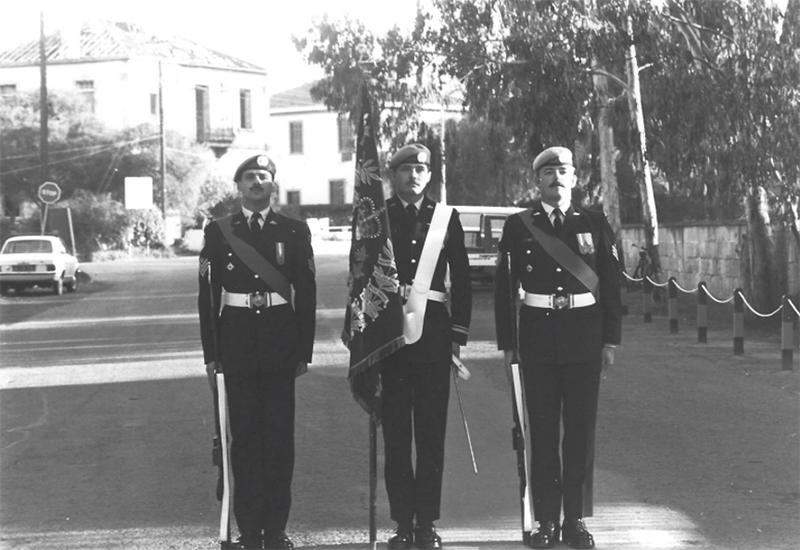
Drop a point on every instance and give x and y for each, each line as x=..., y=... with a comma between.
x=43, y=110
x=162, y=142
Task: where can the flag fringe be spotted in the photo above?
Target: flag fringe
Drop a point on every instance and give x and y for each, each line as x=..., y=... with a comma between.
x=376, y=356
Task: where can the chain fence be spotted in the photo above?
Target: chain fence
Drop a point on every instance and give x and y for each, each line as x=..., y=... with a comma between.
x=788, y=310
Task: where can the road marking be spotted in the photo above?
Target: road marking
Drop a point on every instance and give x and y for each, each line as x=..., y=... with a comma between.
x=623, y=526
x=324, y=313
x=177, y=365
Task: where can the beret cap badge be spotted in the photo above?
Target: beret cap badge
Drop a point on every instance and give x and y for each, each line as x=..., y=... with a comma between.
x=256, y=162
x=414, y=153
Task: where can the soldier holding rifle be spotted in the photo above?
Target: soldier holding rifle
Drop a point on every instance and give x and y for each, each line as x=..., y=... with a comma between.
x=265, y=340
x=564, y=257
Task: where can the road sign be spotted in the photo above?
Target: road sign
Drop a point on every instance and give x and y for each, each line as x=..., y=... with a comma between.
x=49, y=192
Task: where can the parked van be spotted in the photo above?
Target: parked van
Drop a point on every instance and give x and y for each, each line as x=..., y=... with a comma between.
x=483, y=226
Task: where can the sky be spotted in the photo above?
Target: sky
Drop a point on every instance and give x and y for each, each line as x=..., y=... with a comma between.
x=258, y=31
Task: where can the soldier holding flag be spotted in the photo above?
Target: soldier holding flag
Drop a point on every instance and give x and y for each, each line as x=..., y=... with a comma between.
x=427, y=238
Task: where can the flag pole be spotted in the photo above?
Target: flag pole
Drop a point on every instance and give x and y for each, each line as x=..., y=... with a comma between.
x=373, y=480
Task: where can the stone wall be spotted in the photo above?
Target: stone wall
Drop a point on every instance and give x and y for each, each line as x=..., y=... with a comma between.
x=710, y=252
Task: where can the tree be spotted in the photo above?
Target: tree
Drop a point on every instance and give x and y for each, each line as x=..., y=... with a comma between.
x=735, y=143
x=481, y=167
x=86, y=156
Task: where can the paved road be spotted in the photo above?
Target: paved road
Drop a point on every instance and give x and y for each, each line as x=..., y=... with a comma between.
x=106, y=423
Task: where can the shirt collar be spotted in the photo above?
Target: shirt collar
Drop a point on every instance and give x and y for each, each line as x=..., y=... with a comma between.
x=549, y=209
x=247, y=213
x=418, y=204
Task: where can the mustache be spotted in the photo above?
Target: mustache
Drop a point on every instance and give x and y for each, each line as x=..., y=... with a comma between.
x=556, y=184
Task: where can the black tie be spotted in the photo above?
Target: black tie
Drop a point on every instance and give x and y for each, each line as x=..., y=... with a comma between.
x=412, y=213
x=255, y=227
x=558, y=220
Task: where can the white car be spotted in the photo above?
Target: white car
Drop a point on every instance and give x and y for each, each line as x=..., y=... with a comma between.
x=37, y=260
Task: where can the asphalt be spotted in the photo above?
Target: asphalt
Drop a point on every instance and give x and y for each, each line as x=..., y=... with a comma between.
x=697, y=448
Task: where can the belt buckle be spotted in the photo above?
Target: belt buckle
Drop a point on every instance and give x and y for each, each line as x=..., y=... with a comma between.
x=257, y=299
x=561, y=302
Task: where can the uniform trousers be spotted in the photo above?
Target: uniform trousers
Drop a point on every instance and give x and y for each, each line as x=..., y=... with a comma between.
x=415, y=398
x=261, y=408
x=556, y=393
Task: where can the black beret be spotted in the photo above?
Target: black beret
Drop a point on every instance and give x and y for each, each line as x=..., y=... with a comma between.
x=554, y=156
x=414, y=153
x=257, y=162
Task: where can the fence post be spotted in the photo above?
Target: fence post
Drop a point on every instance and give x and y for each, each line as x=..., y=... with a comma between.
x=787, y=335
x=738, y=322
x=672, y=306
x=702, y=313
x=647, y=299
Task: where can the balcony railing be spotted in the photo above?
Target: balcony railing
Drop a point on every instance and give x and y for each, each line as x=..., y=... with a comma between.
x=220, y=136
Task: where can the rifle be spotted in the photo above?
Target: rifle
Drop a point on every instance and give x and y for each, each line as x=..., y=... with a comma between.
x=219, y=453
x=518, y=431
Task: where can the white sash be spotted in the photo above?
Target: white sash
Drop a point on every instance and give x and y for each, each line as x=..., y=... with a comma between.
x=414, y=309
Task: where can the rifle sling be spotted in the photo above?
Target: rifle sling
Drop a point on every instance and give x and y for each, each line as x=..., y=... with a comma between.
x=563, y=254
x=255, y=261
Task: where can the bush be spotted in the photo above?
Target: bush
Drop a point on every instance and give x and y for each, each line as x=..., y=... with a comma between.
x=148, y=228
x=99, y=222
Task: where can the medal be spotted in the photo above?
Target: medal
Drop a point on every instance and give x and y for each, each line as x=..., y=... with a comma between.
x=279, y=253
x=585, y=243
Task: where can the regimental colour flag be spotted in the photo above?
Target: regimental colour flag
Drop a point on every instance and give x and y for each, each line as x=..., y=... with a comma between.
x=373, y=325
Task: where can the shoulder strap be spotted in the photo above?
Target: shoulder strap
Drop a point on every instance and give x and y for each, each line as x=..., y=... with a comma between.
x=416, y=304
x=561, y=253
x=255, y=261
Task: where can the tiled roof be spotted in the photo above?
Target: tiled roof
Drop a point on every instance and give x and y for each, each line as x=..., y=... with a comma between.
x=107, y=40
x=296, y=97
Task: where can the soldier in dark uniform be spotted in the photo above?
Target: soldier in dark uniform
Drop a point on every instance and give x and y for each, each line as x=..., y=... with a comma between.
x=567, y=336
x=416, y=379
x=264, y=341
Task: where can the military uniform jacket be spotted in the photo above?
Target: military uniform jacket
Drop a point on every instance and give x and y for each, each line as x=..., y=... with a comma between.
x=441, y=328
x=564, y=335
x=259, y=339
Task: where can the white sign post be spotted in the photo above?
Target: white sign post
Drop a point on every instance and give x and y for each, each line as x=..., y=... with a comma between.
x=138, y=193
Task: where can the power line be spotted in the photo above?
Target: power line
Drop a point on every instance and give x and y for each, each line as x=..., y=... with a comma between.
x=60, y=161
x=118, y=144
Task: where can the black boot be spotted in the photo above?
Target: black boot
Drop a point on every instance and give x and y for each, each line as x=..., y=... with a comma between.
x=546, y=535
x=403, y=538
x=574, y=533
x=426, y=537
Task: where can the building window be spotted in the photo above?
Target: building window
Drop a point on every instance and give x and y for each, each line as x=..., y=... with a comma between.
x=293, y=197
x=8, y=90
x=337, y=191
x=345, y=135
x=86, y=89
x=202, y=114
x=154, y=104
x=296, y=138
x=245, y=113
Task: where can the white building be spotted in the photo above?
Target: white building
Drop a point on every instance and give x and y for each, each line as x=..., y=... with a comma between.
x=119, y=69
x=314, y=149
